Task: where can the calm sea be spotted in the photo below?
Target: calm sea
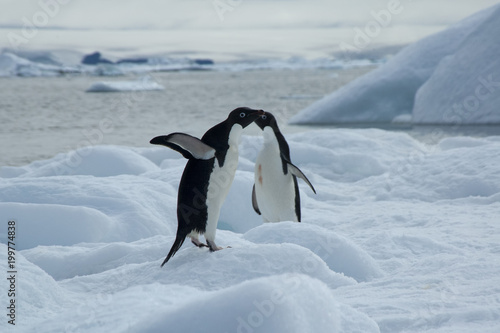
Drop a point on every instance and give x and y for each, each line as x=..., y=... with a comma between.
x=40, y=117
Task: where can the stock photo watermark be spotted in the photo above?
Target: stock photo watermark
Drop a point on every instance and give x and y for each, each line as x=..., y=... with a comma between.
x=461, y=111
x=222, y=7
x=264, y=308
x=364, y=36
x=31, y=24
x=11, y=272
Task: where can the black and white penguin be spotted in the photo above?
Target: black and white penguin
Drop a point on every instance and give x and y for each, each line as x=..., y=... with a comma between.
x=207, y=177
x=275, y=193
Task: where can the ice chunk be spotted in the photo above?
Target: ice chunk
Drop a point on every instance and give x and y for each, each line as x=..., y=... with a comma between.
x=142, y=84
x=458, y=66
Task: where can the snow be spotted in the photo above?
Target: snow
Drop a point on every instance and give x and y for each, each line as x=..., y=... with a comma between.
x=401, y=237
x=142, y=84
x=469, y=95
x=451, y=77
x=13, y=65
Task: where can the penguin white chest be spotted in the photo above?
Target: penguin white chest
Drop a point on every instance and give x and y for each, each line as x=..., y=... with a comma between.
x=220, y=181
x=274, y=190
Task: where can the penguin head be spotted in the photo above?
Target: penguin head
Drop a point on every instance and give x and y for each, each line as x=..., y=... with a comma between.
x=244, y=116
x=266, y=119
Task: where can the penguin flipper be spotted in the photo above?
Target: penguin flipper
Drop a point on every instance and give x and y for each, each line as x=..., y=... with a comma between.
x=296, y=172
x=189, y=146
x=179, y=240
x=254, y=201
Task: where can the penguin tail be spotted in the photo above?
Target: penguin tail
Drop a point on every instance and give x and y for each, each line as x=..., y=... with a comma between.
x=179, y=240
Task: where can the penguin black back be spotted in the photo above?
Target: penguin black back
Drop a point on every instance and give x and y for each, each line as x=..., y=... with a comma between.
x=205, y=156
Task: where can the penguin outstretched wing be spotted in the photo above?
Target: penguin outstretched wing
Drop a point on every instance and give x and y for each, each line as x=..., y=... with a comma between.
x=297, y=172
x=189, y=146
x=254, y=201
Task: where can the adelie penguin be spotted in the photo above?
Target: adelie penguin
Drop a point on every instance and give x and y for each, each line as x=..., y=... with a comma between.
x=207, y=177
x=275, y=193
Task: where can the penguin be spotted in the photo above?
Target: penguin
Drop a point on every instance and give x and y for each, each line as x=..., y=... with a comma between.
x=275, y=193
x=207, y=177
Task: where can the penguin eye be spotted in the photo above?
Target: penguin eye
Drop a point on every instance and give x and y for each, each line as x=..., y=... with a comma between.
x=243, y=115
x=264, y=117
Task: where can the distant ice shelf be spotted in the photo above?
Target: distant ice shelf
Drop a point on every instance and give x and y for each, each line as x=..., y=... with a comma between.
x=50, y=63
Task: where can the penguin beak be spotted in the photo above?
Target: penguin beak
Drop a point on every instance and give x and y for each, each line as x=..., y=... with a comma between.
x=251, y=117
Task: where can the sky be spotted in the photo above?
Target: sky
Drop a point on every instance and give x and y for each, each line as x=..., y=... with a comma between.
x=281, y=27
x=224, y=14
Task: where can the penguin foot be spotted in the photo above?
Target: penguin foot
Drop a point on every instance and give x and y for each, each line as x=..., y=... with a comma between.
x=197, y=242
x=213, y=247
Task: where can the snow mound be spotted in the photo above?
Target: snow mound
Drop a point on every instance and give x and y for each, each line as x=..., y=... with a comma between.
x=450, y=77
x=404, y=235
x=198, y=268
x=253, y=261
x=283, y=303
x=65, y=262
x=142, y=84
x=138, y=208
x=98, y=161
x=38, y=222
x=340, y=254
x=41, y=295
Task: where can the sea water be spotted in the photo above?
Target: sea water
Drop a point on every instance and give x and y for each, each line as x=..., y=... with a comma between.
x=43, y=116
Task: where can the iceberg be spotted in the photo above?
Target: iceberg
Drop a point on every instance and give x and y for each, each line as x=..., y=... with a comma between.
x=94, y=59
x=32, y=65
x=142, y=84
x=451, y=77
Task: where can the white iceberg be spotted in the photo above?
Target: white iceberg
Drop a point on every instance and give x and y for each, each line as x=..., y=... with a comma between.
x=452, y=77
x=13, y=65
x=142, y=84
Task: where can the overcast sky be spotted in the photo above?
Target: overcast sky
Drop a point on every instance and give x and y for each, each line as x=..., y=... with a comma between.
x=229, y=14
x=222, y=28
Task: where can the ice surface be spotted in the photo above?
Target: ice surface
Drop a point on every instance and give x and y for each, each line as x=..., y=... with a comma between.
x=282, y=303
x=144, y=83
x=340, y=254
x=471, y=94
x=401, y=237
x=13, y=65
x=458, y=66
x=78, y=224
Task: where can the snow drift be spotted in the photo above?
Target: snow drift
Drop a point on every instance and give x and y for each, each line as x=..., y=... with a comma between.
x=400, y=237
x=452, y=77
